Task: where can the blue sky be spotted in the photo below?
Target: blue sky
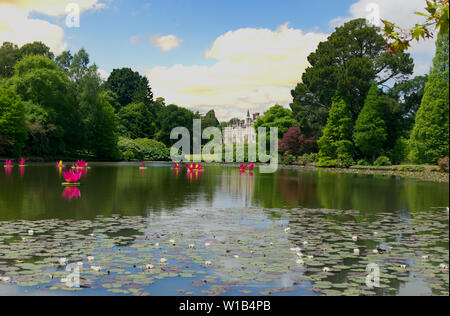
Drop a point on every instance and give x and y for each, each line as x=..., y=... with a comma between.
x=228, y=55
x=105, y=33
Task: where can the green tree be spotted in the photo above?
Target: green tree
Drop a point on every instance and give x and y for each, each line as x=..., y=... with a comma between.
x=12, y=119
x=137, y=121
x=129, y=86
x=104, y=135
x=349, y=61
x=8, y=59
x=35, y=48
x=277, y=116
x=39, y=80
x=170, y=117
x=430, y=136
x=370, y=130
x=335, y=146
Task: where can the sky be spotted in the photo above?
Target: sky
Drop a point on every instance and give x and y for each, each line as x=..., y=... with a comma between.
x=227, y=55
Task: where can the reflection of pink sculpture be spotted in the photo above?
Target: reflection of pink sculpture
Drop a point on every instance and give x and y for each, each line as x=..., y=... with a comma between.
x=8, y=171
x=22, y=162
x=81, y=164
x=72, y=176
x=193, y=175
x=8, y=164
x=71, y=193
x=22, y=171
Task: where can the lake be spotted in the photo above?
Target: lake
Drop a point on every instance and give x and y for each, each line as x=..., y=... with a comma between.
x=163, y=231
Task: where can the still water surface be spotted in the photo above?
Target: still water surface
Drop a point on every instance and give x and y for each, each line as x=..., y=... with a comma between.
x=243, y=217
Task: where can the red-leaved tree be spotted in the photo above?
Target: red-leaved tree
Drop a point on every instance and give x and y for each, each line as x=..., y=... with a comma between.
x=296, y=142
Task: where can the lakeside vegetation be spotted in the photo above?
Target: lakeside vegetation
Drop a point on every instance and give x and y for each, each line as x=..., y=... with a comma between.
x=356, y=105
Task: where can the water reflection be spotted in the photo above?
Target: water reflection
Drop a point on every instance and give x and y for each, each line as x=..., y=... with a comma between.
x=70, y=193
x=22, y=171
x=123, y=189
x=8, y=171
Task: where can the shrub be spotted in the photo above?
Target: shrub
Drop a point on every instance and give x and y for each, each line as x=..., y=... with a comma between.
x=400, y=152
x=328, y=163
x=128, y=155
x=443, y=164
x=382, y=161
x=128, y=145
x=288, y=159
x=364, y=162
x=153, y=150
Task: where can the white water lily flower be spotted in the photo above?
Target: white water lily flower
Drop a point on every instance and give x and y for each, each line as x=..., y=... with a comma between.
x=375, y=251
x=403, y=266
x=172, y=241
x=356, y=252
x=326, y=270
x=30, y=232
x=375, y=233
x=305, y=243
x=191, y=246
x=5, y=279
x=299, y=254
x=287, y=229
x=62, y=261
x=236, y=257
x=443, y=266
x=425, y=257
x=163, y=260
x=96, y=269
x=90, y=258
x=149, y=266
x=207, y=244
x=157, y=244
x=208, y=263
x=300, y=262
x=297, y=249
x=310, y=257
x=355, y=238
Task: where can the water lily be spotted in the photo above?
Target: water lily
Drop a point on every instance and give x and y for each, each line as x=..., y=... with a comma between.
x=172, y=241
x=296, y=249
x=300, y=262
x=90, y=258
x=403, y=266
x=5, y=279
x=8, y=163
x=310, y=257
x=22, y=162
x=355, y=238
x=236, y=257
x=326, y=269
x=207, y=244
x=72, y=176
x=443, y=266
x=176, y=166
x=96, y=269
x=356, y=252
x=425, y=257
x=287, y=229
x=80, y=264
x=149, y=266
x=163, y=260
x=251, y=167
x=208, y=263
x=299, y=254
x=30, y=232
x=62, y=261
x=194, y=167
x=191, y=246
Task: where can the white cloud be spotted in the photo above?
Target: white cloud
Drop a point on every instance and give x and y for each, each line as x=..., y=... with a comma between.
x=103, y=74
x=16, y=25
x=165, y=43
x=400, y=12
x=254, y=69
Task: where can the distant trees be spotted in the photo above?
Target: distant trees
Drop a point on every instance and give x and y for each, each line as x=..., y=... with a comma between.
x=430, y=136
x=370, y=130
x=170, y=117
x=351, y=59
x=335, y=146
x=129, y=86
x=277, y=116
x=13, y=130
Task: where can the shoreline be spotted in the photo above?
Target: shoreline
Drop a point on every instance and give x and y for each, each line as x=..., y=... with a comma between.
x=429, y=173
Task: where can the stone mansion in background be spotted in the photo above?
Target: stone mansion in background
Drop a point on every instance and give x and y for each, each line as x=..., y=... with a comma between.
x=241, y=131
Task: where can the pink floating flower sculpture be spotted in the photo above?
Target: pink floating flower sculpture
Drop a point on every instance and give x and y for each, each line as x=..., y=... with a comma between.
x=195, y=167
x=243, y=167
x=81, y=164
x=251, y=167
x=176, y=166
x=72, y=176
x=8, y=163
x=22, y=162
